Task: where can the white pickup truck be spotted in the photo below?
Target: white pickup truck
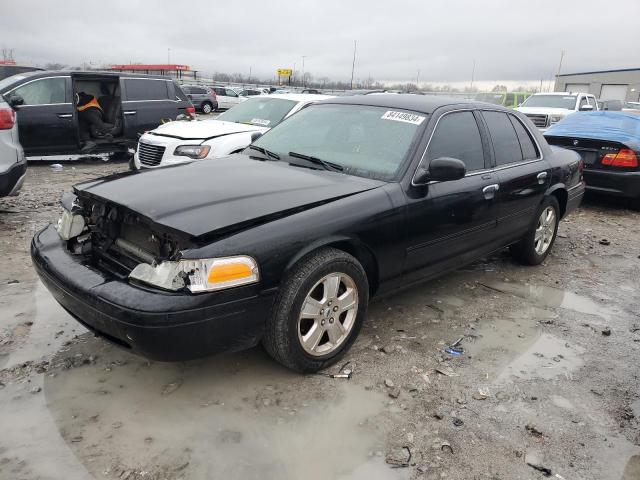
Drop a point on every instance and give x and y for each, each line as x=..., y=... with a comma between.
x=545, y=109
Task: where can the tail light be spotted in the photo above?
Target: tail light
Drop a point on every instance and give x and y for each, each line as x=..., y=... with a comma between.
x=7, y=118
x=191, y=111
x=625, y=158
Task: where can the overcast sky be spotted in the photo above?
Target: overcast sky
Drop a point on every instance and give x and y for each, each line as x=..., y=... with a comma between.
x=511, y=41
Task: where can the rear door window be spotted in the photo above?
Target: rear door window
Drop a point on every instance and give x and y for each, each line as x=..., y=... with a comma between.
x=45, y=91
x=457, y=136
x=506, y=146
x=146, y=89
x=198, y=90
x=529, y=150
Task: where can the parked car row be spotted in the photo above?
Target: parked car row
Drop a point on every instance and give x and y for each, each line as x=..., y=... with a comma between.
x=284, y=242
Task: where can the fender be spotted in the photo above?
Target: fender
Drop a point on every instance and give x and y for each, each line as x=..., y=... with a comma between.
x=355, y=247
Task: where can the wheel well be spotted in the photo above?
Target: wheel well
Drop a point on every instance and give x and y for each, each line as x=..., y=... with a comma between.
x=366, y=258
x=562, y=197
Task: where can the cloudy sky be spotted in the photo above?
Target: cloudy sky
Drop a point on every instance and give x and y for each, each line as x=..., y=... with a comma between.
x=511, y=41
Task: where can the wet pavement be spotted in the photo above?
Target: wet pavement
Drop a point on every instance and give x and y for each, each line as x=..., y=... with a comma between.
x=548, y=376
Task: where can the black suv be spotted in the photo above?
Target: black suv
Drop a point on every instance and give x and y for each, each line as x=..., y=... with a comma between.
x=132, y=103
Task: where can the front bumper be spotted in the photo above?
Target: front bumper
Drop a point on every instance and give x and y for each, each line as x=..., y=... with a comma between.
x=619, y=184
x=12, y=179
x=155, y=324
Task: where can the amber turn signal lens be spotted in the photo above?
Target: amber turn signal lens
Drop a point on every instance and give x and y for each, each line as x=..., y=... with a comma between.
x=229, y=272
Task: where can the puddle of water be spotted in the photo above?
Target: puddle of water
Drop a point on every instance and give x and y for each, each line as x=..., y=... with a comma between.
x=553, y=297
x=237, y=416
x=51, y=328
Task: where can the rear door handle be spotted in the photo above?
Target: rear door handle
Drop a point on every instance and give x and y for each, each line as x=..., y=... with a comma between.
x=490, y=190
x=542, y=176
x=129, y=112
x=65, y=115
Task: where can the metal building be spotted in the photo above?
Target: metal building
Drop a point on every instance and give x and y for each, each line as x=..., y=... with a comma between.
x=623, y=85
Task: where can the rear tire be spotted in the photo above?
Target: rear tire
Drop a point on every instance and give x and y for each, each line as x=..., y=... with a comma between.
x=333, y=288
x=207, y=108
x=535, y=246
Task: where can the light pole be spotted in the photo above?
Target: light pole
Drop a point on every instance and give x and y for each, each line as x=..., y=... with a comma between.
x=473, y=72
x=418, y=80
x=304, y=81
x=168, y=56
x=353, y=65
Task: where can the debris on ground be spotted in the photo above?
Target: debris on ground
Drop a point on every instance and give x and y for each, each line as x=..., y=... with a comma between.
x=534, y=460
x=389, y=383
x=605, y=241
x=606, y=332
x=533, y=430
x=480, y=395
x=399, y=458
x=169, y=388
x=446, y=447
x=457, y=422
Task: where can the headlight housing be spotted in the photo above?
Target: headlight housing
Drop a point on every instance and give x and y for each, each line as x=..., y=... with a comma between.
x=555, y=118
x=199, y=275
x=192, y=151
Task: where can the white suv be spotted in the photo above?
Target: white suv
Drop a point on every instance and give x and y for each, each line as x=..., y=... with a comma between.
x=13, y=165
x=545, y=109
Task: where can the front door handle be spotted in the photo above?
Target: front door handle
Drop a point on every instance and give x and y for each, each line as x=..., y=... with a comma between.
x=542, y=176
x=129, y=112
x=65, y=115
x=490, y=190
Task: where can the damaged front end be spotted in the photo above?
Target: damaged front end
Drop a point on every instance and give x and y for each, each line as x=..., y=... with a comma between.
x=127, y=246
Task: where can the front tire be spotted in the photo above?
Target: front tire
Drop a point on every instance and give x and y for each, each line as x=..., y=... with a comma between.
x=207, y=108
x=318, y=312
x=535, y=246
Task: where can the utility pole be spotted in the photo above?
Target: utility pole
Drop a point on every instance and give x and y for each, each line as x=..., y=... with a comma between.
x=418, y=80
x=473, y=73
x=168, y=56
x=249, y=80
x=304, y=81
x=353, y=65
x=559, y=66
x=292, y=78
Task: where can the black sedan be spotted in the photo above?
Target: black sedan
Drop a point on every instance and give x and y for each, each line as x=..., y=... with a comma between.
x=609, y=143
x=285, y=243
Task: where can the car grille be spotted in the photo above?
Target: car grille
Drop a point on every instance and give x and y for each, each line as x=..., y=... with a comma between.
x=538, y=120
x=150, y=155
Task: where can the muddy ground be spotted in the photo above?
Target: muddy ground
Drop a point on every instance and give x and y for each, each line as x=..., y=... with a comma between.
x=547, y=384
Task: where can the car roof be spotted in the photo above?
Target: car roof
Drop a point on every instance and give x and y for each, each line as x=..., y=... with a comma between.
x=406, y=101
x=298, y=97
x=106, y=73
x=561, y=93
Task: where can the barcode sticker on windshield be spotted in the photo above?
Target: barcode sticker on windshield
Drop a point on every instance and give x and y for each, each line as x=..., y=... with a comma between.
x=403, y=117
x=260, y=121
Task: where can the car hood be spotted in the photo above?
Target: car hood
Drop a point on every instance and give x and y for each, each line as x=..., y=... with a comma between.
x=223, y=195
x=203, y=129
x=544, y=110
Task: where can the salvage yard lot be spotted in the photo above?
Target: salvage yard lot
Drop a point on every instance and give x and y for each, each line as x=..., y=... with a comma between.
x=548, y=378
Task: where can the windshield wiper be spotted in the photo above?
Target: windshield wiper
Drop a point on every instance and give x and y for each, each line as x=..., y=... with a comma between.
x=333, y=167
x=265, y=152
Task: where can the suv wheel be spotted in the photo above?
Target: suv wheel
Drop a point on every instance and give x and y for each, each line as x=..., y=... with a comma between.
x=318, y=312
x=207, y=107
x=535, y=246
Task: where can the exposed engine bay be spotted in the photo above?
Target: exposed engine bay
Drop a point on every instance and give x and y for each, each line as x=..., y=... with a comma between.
x=113, y=238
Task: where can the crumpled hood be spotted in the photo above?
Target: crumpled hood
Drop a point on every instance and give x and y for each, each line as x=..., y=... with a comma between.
x=544, y=110
x=220, y=194
x=203, y=129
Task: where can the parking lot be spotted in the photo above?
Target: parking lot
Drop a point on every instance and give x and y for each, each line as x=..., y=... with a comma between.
x=547, y=385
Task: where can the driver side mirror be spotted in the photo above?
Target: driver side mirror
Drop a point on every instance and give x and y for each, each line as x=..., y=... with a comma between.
x=586, y=108
x=15, y=100
x=442, y=169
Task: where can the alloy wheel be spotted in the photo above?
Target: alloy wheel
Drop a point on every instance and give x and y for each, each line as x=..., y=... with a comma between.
x=545, y=231
x=328, y=314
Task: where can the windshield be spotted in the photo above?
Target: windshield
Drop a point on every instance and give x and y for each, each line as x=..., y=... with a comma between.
x=363, y=140
x=262, y=112
x=551, y=101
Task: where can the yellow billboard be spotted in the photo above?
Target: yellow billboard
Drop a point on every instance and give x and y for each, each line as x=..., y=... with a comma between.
x=285, y=72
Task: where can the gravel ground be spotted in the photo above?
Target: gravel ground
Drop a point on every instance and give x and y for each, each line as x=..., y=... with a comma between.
x=547, y=385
